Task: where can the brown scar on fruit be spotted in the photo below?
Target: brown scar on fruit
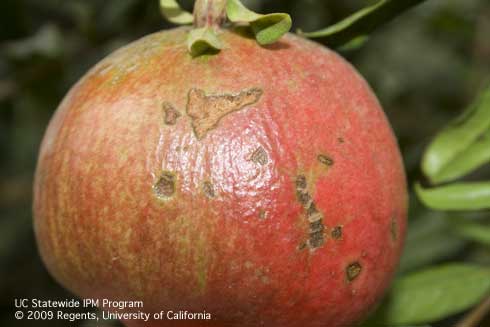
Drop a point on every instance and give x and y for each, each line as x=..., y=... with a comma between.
x=304, y=199
x=208, y=189
x=170, y=114
x=259, y=156
x=302, y=246
x=301, y=183
x=207, y=110
x=336, y=233
x=353, y=270
x=316, y=240
x=326, y=160
x=394, y=228
x=164, y=188
x=316, y=226
x=262, y=214
x=316, y=230
x=311, y=211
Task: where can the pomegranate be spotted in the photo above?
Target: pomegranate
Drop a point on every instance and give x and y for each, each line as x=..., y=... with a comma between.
x=261, y=185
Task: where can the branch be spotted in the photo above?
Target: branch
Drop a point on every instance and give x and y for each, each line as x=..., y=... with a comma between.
x=475, y=316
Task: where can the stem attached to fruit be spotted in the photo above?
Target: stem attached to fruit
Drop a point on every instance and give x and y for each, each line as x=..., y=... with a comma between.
x=209, y=13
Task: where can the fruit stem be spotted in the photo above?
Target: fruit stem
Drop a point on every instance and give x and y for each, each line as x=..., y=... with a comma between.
x=209, y=13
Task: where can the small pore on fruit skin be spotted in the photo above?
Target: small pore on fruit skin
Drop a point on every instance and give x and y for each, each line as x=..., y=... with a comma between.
x=208, y=189
x=164, y=188
x=336, y=233
x=170, y=114
x=326, y=160
x=259, y=156
x=207, y=110
x=353, y=270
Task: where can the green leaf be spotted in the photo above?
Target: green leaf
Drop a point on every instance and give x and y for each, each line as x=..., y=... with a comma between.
x=434, y=293
x=174, y=13
x=362, y=22
x=370, y=323
x=430, y=238
x=376, y=324
x=462, y=146
x=476, y=155
x=203, y=40
x=473, y=231
x=354, y=44
x=458, y=196
x=267, y=28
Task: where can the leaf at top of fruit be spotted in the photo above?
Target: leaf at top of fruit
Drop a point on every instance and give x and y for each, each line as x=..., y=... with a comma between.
x=362, y=22
x=267, y=28
x=203, y=40
x=174, y=13
x=462, y=146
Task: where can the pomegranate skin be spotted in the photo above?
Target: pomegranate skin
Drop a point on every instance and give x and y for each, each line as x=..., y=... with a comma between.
x=260, y=184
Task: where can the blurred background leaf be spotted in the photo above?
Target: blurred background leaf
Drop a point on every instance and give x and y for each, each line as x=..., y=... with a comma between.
x=463, y=145
x=473, y=231
x=430, y=240
x=434, y=293
x=456, y=196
